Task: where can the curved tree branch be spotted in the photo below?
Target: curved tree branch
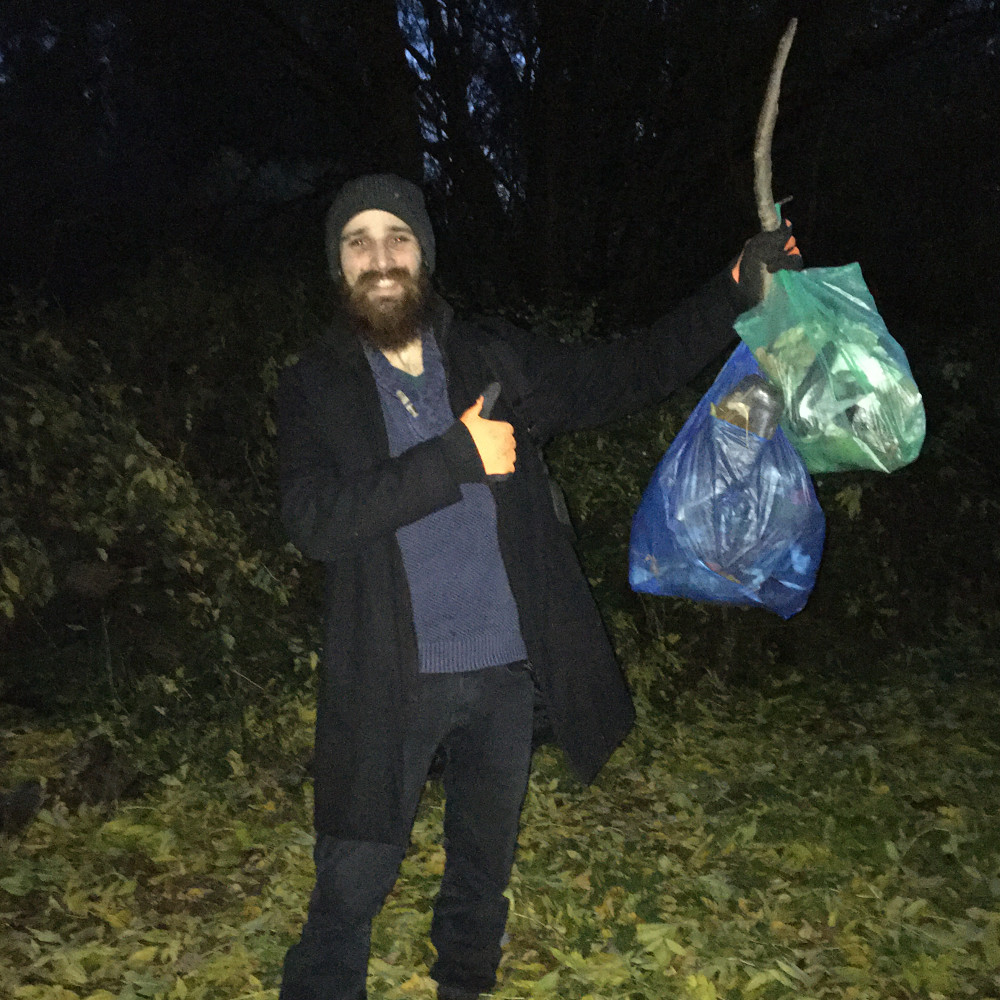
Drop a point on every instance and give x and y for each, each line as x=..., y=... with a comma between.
x=766, y=211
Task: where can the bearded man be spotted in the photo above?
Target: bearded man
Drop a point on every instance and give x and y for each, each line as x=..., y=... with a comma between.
x=455, y=609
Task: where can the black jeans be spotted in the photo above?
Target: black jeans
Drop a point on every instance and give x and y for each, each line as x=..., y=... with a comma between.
x=481, y=722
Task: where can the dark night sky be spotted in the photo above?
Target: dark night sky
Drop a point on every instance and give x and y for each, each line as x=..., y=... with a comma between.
x=114, y=123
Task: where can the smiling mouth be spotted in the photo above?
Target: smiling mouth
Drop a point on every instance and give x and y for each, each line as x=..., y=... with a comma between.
x=381, y=283
x=387, y=288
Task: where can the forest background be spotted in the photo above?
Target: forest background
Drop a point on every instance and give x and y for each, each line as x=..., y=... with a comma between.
x=164, y=171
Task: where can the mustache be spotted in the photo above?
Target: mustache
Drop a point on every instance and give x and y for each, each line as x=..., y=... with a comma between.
x=369, y=278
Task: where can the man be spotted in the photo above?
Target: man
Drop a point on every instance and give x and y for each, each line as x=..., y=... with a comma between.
x=453, y=597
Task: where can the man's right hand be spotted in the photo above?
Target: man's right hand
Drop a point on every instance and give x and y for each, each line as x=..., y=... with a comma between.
x=494, y=440
x=768, y=251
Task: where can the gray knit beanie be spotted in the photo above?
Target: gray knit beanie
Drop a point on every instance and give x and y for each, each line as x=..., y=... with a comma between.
x=388, y=193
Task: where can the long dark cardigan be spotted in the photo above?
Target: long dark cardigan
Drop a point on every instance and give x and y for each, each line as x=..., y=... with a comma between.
x=343, y=497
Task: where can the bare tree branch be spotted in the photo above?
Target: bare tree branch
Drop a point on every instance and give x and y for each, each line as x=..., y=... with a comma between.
x=766, y=211
x=425, y=65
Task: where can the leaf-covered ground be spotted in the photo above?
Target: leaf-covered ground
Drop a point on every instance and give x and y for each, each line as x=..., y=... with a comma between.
x=803, y=838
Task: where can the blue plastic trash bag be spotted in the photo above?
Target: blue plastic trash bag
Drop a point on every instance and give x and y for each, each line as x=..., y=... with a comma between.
x=850, y=400
x=728, y=516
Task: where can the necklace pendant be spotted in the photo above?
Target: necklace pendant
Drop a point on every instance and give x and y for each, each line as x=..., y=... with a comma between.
x=407, y=405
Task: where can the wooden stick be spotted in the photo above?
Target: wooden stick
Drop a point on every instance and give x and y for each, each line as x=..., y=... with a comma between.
x=766, y=211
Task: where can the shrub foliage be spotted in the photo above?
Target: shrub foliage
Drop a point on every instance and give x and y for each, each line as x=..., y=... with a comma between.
x=135, y=571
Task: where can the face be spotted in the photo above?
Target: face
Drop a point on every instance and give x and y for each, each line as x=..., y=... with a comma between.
x=385, y=286
x=376, y=242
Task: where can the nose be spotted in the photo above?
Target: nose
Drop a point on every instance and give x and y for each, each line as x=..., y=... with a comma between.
x=382, y=256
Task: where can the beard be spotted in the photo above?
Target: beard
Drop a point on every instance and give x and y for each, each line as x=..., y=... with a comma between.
x=389, y=324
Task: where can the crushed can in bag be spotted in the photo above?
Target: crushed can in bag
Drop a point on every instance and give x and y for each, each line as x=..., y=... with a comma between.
x=753, y=404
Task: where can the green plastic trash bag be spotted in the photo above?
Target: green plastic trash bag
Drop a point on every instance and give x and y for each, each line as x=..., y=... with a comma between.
x=850, y=401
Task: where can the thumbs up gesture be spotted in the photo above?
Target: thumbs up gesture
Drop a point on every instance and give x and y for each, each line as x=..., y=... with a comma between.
x=494, y=440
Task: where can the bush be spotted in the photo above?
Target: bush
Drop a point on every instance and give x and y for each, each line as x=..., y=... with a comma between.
x=124, y=577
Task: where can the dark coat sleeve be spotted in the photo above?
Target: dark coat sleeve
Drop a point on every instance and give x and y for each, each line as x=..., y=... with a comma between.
x=572, y=386
x=339, y=490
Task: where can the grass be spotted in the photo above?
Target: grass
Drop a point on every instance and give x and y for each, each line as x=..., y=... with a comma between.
x=804, y=837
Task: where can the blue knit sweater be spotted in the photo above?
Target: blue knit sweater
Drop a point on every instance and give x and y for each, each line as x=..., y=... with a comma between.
x=463, y=610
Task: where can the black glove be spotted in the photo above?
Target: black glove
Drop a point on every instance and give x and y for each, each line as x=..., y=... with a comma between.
x=775, y=251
